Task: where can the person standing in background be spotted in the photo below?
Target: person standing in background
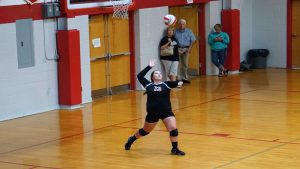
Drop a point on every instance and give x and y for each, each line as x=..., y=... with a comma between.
x=186, y=40
x=218, y=42
x=170, y=62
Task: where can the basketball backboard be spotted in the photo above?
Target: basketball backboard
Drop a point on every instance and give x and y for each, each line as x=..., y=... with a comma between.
x=84, y=4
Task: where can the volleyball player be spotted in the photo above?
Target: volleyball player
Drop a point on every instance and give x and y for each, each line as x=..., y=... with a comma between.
x=158, y=107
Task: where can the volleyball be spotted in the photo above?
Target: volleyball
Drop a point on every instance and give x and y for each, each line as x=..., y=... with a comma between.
x=170, y=20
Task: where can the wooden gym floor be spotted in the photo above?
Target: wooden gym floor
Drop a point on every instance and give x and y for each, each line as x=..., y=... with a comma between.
x=245, y=121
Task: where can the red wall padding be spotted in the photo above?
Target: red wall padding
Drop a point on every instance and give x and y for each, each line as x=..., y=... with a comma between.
x=231, y=25
x=69, y=72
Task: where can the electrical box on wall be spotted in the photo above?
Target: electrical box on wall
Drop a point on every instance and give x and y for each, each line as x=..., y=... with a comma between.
x=48, y=10
x=56, y=11
x=25, y=44
x=51, y=10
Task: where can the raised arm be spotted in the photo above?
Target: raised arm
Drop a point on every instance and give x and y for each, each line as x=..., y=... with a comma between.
x=142, y=74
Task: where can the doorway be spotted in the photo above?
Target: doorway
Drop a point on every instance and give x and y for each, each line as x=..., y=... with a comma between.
x=109, y=55
x=190, y=14
x=295, y=34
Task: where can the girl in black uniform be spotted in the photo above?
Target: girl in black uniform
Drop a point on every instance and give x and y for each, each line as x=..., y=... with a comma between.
x=158, y=107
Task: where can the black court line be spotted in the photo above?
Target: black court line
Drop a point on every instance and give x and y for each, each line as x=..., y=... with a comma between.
x=254, y=154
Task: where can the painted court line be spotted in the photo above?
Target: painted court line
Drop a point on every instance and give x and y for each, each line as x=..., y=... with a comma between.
x=90, y=131
x=280, y=90
x=269, y=101
x=66, y=137
x=221, y=135
x=96, y=129
x=28, y=165
x=254, y=154
x=209, y=101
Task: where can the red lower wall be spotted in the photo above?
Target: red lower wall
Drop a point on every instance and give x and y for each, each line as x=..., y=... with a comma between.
x=231, y=25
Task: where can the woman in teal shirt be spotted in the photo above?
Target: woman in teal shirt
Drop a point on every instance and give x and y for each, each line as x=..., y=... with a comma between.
x=218, y=42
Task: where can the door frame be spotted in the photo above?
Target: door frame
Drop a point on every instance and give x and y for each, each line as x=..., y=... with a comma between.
x=108, y=55
x=202, y=39
x=288, y=35
x=289, y=32
x=132, y=84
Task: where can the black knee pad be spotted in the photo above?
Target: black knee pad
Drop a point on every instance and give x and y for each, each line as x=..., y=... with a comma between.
x=174, y=133
x=142, y=132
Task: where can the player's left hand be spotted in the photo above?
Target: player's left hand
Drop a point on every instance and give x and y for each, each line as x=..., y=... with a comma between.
x=152, y=62
x=180, y=83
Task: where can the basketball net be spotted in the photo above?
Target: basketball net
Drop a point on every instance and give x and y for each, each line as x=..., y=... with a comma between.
x=30, y=2
x=120, y=9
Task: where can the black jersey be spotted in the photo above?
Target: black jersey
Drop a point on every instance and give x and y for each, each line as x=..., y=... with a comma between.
x=158, y=95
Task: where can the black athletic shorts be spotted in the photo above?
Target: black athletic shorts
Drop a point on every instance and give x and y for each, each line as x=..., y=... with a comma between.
x=154, y=117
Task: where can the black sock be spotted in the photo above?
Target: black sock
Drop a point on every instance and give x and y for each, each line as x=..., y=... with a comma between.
x=132, y=138
x=175, y=145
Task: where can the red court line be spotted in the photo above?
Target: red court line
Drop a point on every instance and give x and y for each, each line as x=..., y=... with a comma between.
x=116, y=125
x=34, y=166
x=264, y=101
x=273, y=141
x=220, y=135
x=213, y=100
x=280, y=90
x=62, y=138
x=54, y=141
x=74, y=135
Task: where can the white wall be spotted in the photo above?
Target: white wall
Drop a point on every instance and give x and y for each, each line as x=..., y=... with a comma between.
x=263, y=25
x=29, y=90
x=212, y=17
x=148, y=33
x=246, y=35
x=269, y=29
x=35, y=89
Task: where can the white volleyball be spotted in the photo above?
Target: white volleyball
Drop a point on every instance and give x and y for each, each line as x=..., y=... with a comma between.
x=170, y=20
